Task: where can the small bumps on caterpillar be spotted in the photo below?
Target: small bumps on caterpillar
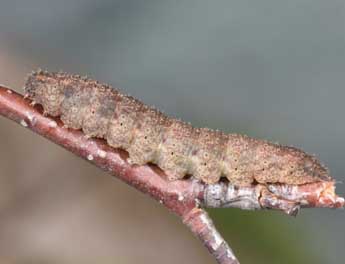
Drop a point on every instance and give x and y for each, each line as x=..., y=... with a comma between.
x=176, y=147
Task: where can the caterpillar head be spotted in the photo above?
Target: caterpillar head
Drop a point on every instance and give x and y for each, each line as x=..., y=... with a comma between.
x=44, y=88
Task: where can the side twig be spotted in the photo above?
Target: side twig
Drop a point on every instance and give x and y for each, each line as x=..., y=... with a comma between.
x=181, y=197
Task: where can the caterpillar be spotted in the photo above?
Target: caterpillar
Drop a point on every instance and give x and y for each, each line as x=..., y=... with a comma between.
x=178, y=148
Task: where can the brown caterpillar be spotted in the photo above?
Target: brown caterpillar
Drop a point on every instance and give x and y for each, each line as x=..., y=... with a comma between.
x=176, y=147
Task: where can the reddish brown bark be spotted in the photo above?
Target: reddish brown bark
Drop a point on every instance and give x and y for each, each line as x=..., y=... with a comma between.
x=183, y=197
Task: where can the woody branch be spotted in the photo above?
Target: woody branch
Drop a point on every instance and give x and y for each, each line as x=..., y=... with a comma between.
x=182, y=197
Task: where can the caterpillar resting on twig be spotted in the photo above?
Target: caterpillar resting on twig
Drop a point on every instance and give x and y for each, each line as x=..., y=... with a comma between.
x=179, y=149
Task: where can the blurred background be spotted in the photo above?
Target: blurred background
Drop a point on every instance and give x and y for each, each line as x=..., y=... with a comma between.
x=269, y=69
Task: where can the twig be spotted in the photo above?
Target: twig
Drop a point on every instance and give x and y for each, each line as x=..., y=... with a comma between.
x=181, y=197
x=202, y=226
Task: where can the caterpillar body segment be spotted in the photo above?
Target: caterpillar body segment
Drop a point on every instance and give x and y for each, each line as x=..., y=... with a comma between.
x=176, y=147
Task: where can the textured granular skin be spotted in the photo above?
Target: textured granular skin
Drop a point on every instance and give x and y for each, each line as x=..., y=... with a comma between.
x=147, y=137
x=177, y=147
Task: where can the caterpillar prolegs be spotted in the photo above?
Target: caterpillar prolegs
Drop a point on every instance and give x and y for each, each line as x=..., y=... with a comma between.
x=176, y=147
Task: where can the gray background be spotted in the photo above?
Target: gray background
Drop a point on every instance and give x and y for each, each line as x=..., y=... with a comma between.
x=270, y=69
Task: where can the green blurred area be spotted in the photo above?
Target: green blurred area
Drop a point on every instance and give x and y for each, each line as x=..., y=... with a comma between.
x=265, y=237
